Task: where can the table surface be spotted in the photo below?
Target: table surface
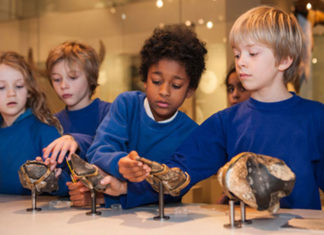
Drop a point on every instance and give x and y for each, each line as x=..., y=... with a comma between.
x=56, y=217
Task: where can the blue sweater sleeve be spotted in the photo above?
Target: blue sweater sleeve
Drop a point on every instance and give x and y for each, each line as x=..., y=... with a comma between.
x=203, y=152
x=195, y=156
x=110, y=143
x=319, y=165
x=84, y=141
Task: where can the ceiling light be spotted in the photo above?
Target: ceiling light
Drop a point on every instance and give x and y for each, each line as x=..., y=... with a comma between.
x=159, y=3
x=309, y=6
x=209, y=24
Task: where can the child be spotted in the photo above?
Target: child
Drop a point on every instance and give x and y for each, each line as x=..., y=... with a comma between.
x=73, y=70
x=27, y=125
x=236, y=93
x=267, y=45
x=150, y=123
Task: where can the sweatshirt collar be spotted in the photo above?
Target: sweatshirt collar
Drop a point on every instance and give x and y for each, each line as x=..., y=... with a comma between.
x=150, y=114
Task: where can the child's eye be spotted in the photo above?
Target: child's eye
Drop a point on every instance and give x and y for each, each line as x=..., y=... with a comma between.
x=236, y=56
x=156, y=82
x=253, y=53
x=56, y=79
x=20, y=86
x=175, y=86
x=241, y=88
x=2, y=87
x=230, y=89
x=73, y=77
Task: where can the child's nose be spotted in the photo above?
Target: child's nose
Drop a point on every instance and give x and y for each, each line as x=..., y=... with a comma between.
x=64, y=84
x=165, y=89
x=236, y=94
x=241, y=61
x=11, y=92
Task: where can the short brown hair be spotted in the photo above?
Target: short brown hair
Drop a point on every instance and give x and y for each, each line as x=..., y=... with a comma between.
x=74, y=52
x=274, y=28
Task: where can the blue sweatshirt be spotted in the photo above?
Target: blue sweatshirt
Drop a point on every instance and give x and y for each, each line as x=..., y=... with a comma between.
x=128, y=127
x=291, y=130
x=83, y=123
x=22, y=141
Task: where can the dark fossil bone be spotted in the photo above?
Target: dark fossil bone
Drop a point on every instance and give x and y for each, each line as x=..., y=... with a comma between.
x=89, y=174
x=173, y=179
x=35, y=174
x=257, y=180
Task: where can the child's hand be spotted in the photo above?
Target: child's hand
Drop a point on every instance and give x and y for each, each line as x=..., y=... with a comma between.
x=80, y=195
x=132, y=169
x=52, y=166
x=60, y=146
x=115, y=187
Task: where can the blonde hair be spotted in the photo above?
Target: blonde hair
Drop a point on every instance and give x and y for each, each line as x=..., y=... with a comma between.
x=36, y=99
x=274, y=28
x=83, y=55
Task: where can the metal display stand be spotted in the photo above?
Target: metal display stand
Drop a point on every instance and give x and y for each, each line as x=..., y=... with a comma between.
x=93, y=204
x=161, y=215
x=34, y=201
x=233, y=223
x=243, y=214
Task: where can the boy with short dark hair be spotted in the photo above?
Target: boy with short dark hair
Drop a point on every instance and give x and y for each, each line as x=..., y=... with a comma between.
x=267, y=44
x=149, y=124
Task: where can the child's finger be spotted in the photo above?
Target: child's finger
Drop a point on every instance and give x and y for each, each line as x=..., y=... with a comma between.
x=58, y=172
x=72, y=150
x=47, y=150
x=39, y=159
x=73, y=186
x=133, y=155
x=106, y=180
x=61, y=157
x=146, y=168
x=52, y=166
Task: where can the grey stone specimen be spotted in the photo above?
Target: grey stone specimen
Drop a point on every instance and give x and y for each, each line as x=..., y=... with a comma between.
x=35, y=174
x=257, y=180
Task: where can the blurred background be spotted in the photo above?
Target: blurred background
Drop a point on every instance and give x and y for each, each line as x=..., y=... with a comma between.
x=123, y=25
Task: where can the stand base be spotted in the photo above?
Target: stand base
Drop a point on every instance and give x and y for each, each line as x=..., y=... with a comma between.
x=165, y=217
x=237, y=224
x=34, y=209
x=93, y=213
x=93, y=204
x=246, y=221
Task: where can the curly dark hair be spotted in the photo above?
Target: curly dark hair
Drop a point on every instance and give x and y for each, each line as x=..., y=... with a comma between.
x=175, y=42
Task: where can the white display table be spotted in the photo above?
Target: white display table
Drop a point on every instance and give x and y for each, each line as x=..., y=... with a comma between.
x=185, y=219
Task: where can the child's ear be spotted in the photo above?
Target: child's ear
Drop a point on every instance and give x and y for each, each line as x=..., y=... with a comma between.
x=285, y=63
x=190, y=92
x=145, y=85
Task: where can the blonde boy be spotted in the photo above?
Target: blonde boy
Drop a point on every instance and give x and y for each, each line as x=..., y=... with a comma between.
x=267, y=44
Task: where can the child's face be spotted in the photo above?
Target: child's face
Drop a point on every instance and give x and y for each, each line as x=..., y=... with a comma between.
x=257, y=69
x=236, y=93
x=166, y=87
x=13, y=94
x=71, y=85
